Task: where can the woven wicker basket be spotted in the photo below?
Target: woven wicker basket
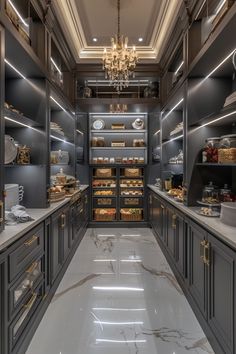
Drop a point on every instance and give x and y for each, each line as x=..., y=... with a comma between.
x=131, y=217
x=132, y=172
x=105, y=217
x=104, y=172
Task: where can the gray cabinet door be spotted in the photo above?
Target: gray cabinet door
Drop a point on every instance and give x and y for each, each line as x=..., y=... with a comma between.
x=150, y=202
x=65, y=231
x=171, y=226
x=222, y=282
x=56, y=244
x=159, y=217
x=3, y=306
x=181, y=246
x=197, y=270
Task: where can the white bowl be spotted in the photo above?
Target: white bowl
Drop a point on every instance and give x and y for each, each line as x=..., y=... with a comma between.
x=228, y=213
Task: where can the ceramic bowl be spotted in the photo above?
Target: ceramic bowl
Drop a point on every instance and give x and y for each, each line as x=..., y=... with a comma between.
x=228, y=213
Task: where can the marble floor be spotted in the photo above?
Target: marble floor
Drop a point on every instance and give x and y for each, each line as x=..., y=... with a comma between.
x=119, y=296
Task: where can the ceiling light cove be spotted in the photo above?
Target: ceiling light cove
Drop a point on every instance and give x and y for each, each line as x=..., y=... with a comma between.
x=84, y=21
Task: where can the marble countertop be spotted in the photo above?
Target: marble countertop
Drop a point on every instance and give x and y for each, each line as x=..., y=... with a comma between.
x=13, y=233
x=213, y=225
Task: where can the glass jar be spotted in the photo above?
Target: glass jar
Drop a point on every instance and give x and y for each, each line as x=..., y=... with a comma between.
x=210, y=194
x=227, y=149
x=226, y=194
x=210, y=150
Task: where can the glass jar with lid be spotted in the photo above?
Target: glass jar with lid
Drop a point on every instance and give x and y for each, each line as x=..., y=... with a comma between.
x=210, y=194
x=226, y=194
x=227, y=149
x=210, y=150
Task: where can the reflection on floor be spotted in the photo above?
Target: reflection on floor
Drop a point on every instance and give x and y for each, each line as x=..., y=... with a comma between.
x=119, y=296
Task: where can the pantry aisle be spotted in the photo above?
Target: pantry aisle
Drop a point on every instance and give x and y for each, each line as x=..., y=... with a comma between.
x=119, y=296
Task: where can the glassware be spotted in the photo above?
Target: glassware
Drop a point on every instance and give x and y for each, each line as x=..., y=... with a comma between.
x=226, y=194
x=210, y=194
x=210, y=150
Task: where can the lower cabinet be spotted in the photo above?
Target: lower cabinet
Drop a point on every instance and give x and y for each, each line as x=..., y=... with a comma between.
x=221, y=268
x=207, y=266
x=3, y=307
x=197, y=271
x=29, y=269
x=60, y=240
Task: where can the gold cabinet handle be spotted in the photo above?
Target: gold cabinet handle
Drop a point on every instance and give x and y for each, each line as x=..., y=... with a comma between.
x=207, y=253
x=174, y=217
x=162, y=206
x=205, y=256
x=32, y=268
x=202, y=250
x=30, y=241
x=63, y=224
x=1, y=212
x=81, y=211
x=31, y=301
x=150, y=199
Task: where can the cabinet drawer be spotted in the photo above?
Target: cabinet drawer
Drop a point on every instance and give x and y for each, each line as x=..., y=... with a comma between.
x=21, y=322
x=131, y=202
x=28, y=248
x=104, y=202
x=21, y=289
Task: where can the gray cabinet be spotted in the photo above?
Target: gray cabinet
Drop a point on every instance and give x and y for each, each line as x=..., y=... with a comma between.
x=57, y=222
x=3, y=306
x=197, y=272
x=221, y=292
x=159, y=217
x=207, y=267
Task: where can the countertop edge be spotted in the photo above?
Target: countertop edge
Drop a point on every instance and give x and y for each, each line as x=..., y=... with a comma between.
x=6, y=241
x=229, y=235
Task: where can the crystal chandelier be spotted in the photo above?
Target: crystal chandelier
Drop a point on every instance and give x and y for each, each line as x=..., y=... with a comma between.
x=119, y=62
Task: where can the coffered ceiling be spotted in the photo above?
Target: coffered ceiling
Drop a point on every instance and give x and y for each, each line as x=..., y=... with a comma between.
x=84, y=20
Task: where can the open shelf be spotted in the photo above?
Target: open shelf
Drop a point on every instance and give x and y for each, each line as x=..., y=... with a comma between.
x=226, y=116
x=118, y=148
x=208, y=164
x=119, y=131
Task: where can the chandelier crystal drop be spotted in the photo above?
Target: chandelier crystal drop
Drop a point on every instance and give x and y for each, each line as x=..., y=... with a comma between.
x=119, y=61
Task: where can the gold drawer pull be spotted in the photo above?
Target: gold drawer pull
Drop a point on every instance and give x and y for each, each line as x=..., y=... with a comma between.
x=1, y=212
x=207, y=253
x=202, y=250
x=32, y=267
x=31, y=301
x=63, y=224
x=174, y=217
x=30, y=241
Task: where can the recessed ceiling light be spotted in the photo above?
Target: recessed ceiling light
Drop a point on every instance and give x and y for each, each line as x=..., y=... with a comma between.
x=95, y=39
x=140, y=39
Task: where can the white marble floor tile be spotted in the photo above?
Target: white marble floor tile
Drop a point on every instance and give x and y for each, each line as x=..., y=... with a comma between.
x=119, y=296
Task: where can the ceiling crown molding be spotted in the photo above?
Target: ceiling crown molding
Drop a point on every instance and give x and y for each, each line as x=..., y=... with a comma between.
x=67, y=13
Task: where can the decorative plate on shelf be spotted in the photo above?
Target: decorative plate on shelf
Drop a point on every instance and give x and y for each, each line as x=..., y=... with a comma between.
x=10, y=149
x=98, y=124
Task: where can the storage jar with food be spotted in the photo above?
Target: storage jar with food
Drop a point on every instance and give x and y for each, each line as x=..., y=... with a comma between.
x=226, y=194
x=210, y=150
x=210, y=194
x=227, y=149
